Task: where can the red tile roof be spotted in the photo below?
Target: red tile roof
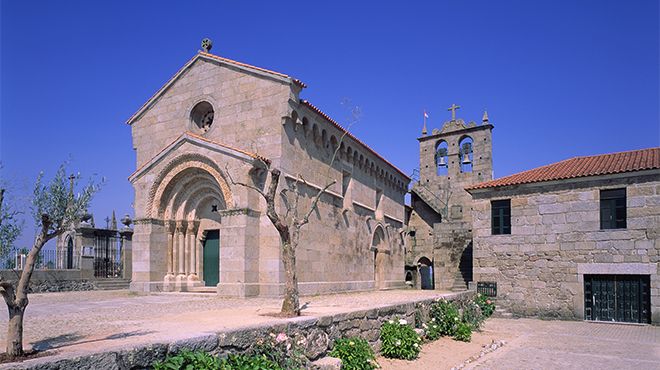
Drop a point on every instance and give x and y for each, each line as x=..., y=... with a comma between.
x=604, y=164
x=342, y=129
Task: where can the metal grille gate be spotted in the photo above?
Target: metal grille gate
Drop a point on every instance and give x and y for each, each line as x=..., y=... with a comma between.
x=107, y=256
x=621, y=298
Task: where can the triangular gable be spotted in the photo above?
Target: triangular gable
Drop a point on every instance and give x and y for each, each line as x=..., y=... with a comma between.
x=191, y=138
x=224, y=61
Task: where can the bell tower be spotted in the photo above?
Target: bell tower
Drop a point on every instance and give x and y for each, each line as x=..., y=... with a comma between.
x=452, y=158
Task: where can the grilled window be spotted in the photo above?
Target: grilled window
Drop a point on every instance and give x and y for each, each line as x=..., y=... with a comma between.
x=501, y=216
x=613, y=209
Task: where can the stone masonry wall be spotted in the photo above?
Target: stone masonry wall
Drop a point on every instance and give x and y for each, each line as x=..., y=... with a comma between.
x=320, y=334
x=556, y=238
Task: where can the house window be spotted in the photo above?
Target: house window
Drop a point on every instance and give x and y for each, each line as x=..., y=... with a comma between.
x=613, y=209
x=501, y=216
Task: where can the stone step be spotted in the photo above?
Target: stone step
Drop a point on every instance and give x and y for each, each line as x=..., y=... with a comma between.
x=112, y=284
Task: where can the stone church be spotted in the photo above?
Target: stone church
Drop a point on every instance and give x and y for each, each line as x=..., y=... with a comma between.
x=218, y=122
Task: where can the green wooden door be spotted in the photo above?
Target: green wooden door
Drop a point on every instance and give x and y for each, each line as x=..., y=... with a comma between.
x=212, y=258
x=622, y=298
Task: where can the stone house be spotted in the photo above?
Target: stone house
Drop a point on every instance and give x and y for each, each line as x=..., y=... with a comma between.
x=577, y=239
x=439, y=233
x=218, y=122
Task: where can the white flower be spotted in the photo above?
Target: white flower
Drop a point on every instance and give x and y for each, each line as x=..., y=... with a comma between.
x=435, y=326
x=390, y=321
x=433, y=319
x=351, y=343
x=398, y=342
x=425, y=326
x=403, y=322
x=456, y=318
x=415, y=345
x=281, y=337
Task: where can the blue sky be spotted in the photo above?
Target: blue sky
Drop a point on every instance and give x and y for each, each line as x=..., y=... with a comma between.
x=559, y=78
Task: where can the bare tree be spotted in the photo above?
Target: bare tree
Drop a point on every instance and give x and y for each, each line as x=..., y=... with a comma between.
x=289, y=224
x=55, y=207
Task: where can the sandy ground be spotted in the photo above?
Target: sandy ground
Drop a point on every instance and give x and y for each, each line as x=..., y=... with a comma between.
x=85, y=321
x=539, y=344
x=446, y=353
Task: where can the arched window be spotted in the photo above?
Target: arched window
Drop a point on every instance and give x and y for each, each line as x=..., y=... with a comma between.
x=305, y=125
x=465, y=156
x=441, y=158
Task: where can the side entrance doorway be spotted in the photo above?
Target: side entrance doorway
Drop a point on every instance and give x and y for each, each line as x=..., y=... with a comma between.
x=212, y=258
x=426, y=273
x=620, y=298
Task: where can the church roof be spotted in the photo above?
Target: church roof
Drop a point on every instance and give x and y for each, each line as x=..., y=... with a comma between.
x=207, y=56
x=348, y=133
x=596, y=165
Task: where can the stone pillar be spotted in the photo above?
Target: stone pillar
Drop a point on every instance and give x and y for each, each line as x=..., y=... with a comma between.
x=126, y=235
x=170, y=228
x=199, y=244
x=191, y=248
x=181, y=245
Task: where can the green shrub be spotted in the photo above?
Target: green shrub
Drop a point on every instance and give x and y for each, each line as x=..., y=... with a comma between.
x=188, y=360
x=486, y=305
x=446, y=315
x=281, y=349
x=399, y=340
x=471, y=314
x=432, y=330
x=355, y=354
x=247, y=362
x=463, y=332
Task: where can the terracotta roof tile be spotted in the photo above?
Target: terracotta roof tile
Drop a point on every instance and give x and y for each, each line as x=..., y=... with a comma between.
x=604, y=164
x=341, y=128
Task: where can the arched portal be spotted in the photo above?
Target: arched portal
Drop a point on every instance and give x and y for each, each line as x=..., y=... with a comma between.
x=190, y=201
x=378, y=245
x=69, y=253
x=426, y=277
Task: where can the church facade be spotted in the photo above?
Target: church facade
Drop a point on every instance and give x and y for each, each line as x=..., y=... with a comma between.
x=217, y=123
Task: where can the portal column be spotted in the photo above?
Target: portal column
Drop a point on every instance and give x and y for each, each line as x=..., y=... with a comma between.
x=170, y=227
x=181, y=244
x=191, y=247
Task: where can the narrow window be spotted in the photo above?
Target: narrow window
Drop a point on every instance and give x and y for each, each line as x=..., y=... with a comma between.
x=613, y=209
x=501, y=216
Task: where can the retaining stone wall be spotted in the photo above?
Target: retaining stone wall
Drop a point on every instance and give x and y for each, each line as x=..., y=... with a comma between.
x=320, y=333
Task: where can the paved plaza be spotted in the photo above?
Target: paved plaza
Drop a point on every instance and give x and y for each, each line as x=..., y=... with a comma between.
x=84, y=322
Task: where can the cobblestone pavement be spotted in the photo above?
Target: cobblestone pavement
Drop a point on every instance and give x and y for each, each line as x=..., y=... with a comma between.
x=83, y=321
x=538, y=344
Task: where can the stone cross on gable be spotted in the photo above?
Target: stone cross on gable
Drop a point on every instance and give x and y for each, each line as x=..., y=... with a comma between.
x=453, y=111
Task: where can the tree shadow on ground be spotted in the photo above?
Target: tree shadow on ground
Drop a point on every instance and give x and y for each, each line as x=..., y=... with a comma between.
x=71, y=339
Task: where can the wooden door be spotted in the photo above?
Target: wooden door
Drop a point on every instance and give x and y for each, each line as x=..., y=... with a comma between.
x=212, y=258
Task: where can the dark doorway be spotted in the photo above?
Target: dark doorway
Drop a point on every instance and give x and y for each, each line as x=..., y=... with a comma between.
x=620, y=298
x=426, y=273
x=69, y=254
x=465, y=264
x=212, y=258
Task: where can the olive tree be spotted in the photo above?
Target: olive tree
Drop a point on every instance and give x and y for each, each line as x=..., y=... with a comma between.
x=293, y=215
x=55, y=206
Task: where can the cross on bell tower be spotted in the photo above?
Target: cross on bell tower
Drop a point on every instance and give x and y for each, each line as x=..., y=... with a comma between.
x=453, y=111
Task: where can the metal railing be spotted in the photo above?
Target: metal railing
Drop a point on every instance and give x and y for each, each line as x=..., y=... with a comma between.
x=15, y=260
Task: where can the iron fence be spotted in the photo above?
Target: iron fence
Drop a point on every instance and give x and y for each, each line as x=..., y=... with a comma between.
x=15, y=260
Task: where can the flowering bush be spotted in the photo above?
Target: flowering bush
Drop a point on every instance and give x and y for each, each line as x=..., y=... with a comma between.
x=281, y=349
x=432, y=329
x=486, y=304
x=446, y=315
x=399, y=340
x=471, y=313
x=463, y=332
x=355, y=354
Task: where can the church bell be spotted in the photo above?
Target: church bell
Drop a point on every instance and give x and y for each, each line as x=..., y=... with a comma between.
x=442, y=162
x=466, y=158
